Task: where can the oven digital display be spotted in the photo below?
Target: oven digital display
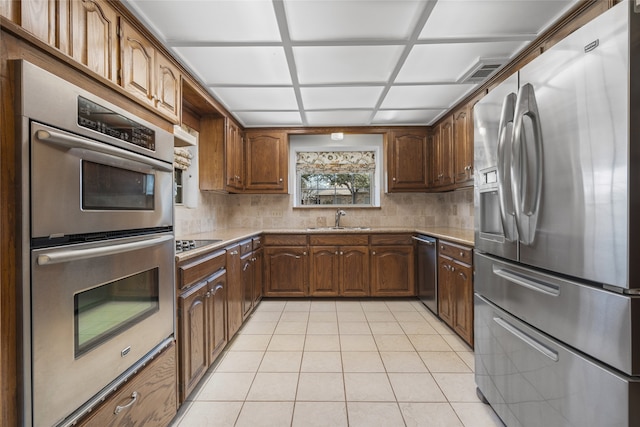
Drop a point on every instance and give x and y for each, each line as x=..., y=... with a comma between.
x=105, y=311
x=100, y=119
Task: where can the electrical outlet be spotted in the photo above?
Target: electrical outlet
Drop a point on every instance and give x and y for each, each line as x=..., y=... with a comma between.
x=276, y=213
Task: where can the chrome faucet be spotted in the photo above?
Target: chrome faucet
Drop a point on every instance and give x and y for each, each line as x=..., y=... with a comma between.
x=339, y=213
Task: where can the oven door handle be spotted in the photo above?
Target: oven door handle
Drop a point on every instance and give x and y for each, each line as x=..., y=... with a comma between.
x=70, y=255
x=71, y=141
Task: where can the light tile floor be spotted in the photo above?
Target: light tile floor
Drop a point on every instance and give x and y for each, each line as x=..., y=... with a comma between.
x=340, y=363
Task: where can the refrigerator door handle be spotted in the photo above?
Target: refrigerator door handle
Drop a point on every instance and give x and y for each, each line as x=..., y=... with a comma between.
x=525, y=338
x=526, y=282
x=505, y=198
x=525, y=159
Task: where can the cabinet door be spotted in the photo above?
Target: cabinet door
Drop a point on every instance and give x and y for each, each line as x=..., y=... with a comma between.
x=408, y=164
x=354, y=269
x=258, y=259
x=94, y=37
x=167, y=91
x=392, y=271
x=217, y=316
x=234, y=154
x=325, y=274
x=246, y=278
x=153, y=404
x=235, y=291
x=192, y=338
x=445, y=153
x=463, y=301
x=39, y=18
x=286, y=271
x=138, y=56
x=445, y=290
x=463, y=147
x=433, y=143
x=266, y=167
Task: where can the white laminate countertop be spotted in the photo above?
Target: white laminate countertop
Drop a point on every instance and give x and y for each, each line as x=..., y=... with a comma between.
x=228, y=236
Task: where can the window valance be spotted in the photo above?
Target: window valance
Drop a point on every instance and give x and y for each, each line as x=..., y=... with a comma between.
x=335, y=161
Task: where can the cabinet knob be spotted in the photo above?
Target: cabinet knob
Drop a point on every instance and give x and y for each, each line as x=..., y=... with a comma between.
x=304, y=253
x=393, y=179
x=336, y=252
x=341, y=253
x=373, y=252
x=233, y=253
x=281, y=179
x=461, y=253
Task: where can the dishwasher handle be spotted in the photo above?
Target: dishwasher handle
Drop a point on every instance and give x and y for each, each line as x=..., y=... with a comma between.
x=426, y=242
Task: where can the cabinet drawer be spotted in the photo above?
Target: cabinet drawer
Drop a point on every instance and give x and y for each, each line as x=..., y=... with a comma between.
x=285, y=239
x=246, y=247
x=257, y=242
x=193, y=271
x=391, y=239
x=461, y=253
x=339, y=239
x=149, y=398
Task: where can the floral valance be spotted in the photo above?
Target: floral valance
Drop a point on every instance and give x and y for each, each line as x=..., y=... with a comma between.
x=335, y=161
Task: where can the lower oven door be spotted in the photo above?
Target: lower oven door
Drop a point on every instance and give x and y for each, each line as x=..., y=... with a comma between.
x=97, y=308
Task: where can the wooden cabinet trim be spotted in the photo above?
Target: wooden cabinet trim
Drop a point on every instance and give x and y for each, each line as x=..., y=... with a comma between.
x=192, y=271
x=285, y=239
x=338, y=239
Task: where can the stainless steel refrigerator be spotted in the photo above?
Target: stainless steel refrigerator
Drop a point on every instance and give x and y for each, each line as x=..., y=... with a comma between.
x=557, y=232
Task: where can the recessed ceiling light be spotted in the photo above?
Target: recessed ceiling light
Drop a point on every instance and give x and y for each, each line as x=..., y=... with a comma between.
x=337, y=136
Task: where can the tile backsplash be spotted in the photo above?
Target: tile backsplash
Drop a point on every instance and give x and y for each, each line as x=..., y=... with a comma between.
x=214, y=211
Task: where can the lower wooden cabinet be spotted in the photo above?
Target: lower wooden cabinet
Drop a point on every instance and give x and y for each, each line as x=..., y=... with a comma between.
x=148, y=399
x=392, y=265
x=235, y=291
x=258, y=260
x=286, y=271
x=339, y=271
x=455, y=289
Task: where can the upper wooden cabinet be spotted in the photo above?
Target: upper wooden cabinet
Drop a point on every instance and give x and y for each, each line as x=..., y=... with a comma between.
x=463, y=146
x=266, y=165
x=148, y=75
x=442, y=160
x=408, y=161
x=94, y=38
x=234, y=157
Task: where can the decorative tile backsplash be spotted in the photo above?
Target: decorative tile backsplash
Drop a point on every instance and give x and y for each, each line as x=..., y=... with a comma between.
x=214, y=211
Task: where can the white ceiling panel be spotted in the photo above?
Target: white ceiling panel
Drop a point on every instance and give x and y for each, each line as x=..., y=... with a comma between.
x=448, y=62
x=338, y=118
x=464, y=18
x=247, y=21
x=356, y=20
x=257, y=98
x=434, y=96
x=342, y=62
x=238, y=65
x=270, y=118
x=317, y=98
x=350, y=64
x=406, y=117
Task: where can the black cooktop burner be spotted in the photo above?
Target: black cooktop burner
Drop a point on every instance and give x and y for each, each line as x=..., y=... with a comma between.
x=187, y=245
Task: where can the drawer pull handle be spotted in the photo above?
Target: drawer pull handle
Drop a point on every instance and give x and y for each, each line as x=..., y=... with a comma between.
x=134, y=398
x=233, y=253
x=553, y=355
x=217, y=288
x=526, y=282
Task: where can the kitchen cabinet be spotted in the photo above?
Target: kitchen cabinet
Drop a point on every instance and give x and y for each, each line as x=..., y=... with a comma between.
x=392, y=265
x=234, y=157
x=258, y=260
x=148, y=398
x=463, y=146
x=341, y=269
x=266, y=167
x=235, y=291
x=247, y=275
x=202, y=313
x=146, y=74
x=455, y=288
x=408, y=161
x=94, y=38
x=286, y=269
x=442, y=159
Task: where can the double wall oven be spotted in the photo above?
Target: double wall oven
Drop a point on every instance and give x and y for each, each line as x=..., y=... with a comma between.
x=98, y=247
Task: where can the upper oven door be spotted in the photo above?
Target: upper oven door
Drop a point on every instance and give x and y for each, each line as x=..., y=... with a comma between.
x=80, y=185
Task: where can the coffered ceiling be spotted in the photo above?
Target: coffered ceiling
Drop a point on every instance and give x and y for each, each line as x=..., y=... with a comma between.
x=343, y=62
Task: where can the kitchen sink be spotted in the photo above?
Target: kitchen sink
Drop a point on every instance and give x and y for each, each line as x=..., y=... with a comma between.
x=338, y=228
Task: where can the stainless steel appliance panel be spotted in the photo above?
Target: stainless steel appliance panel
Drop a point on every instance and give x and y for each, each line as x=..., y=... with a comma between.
x=427, y=271
x=494, y=219
x=581, y=89
x=64, y=379
x=603, y=324
x=533, y=380
x=58, y=159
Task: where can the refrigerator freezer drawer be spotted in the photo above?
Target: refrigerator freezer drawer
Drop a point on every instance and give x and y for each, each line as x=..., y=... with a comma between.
x=532, y=380
x=600, y=323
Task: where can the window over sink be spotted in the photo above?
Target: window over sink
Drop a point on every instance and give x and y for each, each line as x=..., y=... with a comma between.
x=332, y=173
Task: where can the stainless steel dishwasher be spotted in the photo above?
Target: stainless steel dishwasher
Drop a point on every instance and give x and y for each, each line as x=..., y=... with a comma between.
x=427, y=271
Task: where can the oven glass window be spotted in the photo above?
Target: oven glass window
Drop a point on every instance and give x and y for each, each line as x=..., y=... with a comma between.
x=107, y=310
x=110, y=188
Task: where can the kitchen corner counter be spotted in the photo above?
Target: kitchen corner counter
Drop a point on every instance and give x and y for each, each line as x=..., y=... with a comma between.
x=228, y=236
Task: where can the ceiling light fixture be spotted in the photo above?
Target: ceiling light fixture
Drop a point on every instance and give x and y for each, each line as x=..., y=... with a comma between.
x=337, y=136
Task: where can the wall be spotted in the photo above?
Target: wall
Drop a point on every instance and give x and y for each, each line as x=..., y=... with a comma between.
x=452, y=209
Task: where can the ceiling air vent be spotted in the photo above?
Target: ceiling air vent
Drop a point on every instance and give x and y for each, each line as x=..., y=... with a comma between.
x=482, y=69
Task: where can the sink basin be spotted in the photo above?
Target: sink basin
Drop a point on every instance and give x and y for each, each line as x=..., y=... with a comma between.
x=338, y=228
